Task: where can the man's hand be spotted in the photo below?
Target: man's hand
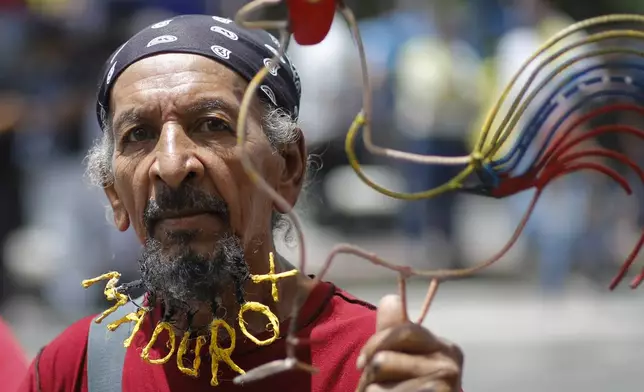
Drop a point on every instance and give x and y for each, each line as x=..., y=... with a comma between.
x=405, y=357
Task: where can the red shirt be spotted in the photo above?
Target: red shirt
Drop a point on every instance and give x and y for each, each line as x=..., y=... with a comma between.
x=338, y=325
x=13, y=364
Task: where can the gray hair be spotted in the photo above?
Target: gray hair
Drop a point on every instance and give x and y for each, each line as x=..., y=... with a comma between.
x=280, y=129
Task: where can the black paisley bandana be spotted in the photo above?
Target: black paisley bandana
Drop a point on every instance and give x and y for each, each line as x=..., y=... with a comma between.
x=242, y=50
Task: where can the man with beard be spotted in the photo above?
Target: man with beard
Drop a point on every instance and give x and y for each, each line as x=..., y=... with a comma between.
x=170, y=167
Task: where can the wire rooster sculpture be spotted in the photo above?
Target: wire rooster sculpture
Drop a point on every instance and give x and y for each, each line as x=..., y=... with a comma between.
x=512, y=154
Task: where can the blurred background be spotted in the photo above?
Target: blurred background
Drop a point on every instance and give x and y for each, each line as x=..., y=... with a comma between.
x=541, y=319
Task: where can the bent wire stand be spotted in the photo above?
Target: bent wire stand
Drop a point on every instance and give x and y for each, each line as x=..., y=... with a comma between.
x=486, y=172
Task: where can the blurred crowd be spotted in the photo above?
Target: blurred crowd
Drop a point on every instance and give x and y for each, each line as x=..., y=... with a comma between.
x=53, y=228
x=435, y=66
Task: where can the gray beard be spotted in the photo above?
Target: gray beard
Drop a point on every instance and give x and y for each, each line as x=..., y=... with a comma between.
x=185, y=281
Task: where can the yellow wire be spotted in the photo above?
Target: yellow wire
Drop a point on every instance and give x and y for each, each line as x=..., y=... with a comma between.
x=497, y=144
x=455, y=183
x=545, y=47
x=504, y=130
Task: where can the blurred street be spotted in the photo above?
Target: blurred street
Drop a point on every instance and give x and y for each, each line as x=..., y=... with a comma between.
x=515, y=340
x=584, y=340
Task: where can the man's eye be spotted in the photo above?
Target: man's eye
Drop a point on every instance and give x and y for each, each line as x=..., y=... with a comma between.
x=214, y=125
x=139, y=135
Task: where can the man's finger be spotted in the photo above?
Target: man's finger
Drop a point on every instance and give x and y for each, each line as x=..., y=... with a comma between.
x=391, y=366
x=390, y=312
x=454, y=352
x=408, y=338
x=425, y=384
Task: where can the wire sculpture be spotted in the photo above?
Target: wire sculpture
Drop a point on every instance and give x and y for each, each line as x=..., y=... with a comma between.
x=485, y=172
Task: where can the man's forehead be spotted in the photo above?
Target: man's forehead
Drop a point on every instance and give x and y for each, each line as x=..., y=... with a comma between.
x=244, y=52
x=180, y=79
x=170, y=70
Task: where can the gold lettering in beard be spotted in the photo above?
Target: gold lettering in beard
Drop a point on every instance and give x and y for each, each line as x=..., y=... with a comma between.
x=217, y=353
x=272, y=277
x=110, y=292
x=136, y=317
x=196, y=363
x=155, y=335
x=265, y=310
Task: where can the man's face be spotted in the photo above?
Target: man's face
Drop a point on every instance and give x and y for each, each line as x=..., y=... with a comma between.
x=178, y=177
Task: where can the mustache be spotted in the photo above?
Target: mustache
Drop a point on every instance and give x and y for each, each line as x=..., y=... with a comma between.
x=184, y=200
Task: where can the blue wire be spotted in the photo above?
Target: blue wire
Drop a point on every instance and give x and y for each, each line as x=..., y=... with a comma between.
x=635, y=95
x=494, y=173
x=639, y=94
x=528, y=133
x=534, y=124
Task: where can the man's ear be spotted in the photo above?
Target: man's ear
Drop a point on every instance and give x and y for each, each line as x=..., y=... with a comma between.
x=121, y=218
x=293, y=171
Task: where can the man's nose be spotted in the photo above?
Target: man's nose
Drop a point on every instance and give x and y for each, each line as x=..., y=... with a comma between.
x=175, y=161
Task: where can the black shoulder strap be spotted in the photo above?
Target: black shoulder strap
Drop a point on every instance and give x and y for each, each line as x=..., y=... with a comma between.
x=105, y=352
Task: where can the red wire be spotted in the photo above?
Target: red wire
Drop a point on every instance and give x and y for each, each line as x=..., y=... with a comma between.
x=593, y=133
x=558, y=151
x=512, y=185
x=607, y=154
x=640, y=277
x=626, y=266
x=571, y=168
x=622, y=158
x=599, y=111
x=558, y=161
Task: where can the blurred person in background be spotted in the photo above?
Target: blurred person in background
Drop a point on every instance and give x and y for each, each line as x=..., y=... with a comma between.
x=384, y=36
x=337, y=200
x=13, y=364
x=435, y=102
x=13, y=26
x=11, y=110
x=169, y=165
x=49, y=145
x=338, y=92
x=48, y=149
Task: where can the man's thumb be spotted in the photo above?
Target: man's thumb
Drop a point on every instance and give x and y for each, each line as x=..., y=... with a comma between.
x=390, y=312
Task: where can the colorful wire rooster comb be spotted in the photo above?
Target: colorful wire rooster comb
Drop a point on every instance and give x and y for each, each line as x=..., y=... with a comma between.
x=541, y=127
x=549, y=130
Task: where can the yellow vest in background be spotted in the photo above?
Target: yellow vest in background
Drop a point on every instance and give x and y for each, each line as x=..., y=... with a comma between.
x=55, y=8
